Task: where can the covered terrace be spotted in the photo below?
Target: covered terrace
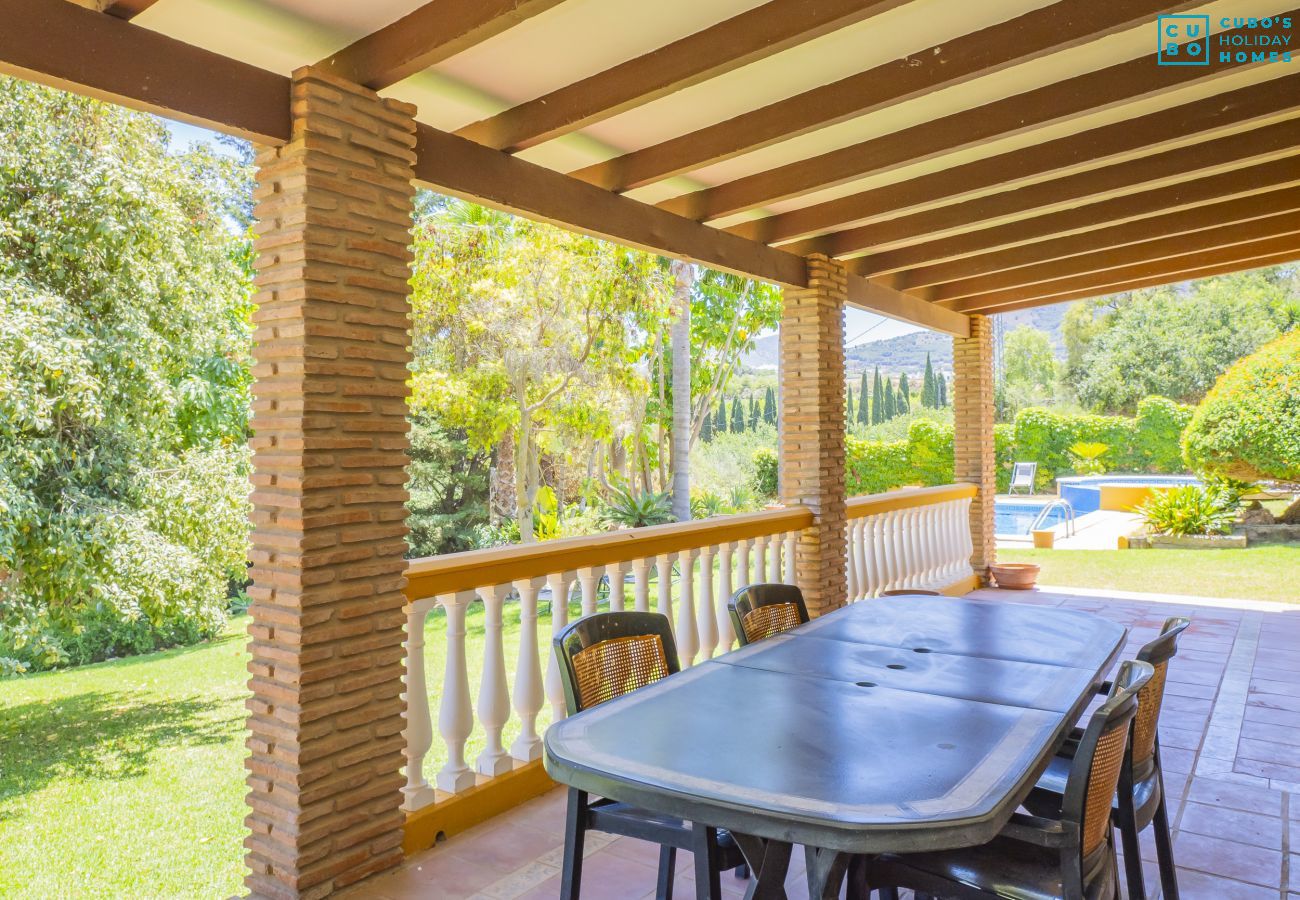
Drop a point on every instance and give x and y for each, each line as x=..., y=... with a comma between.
x=935, y=161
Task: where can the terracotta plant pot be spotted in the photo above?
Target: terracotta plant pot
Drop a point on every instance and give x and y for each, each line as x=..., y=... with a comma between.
x=1015, y=576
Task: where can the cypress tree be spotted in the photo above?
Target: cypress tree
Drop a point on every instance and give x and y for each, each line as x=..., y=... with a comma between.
x=864, y=410
x=737, y=416
x=753, y=412
x=904, y=399
x=942, y=384
x=769, y=406
x=706, y=429
x=929, y=392
x=720, y=417
x=891, y=408
x=877, y=399
x=848, y=405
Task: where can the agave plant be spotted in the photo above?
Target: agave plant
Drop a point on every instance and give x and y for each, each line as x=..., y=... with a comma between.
x=628, y=508
x=706, y=503
x=1188, y=510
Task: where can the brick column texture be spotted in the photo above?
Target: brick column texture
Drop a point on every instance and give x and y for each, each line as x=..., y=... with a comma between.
x=812, y=432
x=973, y=438
x=329, y=534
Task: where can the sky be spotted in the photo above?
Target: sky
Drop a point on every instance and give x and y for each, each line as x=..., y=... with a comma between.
x=860, y=326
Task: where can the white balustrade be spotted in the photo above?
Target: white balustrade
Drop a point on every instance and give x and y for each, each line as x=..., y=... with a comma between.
x=713, y=558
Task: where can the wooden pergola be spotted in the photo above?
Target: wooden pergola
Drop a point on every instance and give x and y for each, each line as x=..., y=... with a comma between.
x=930, y=160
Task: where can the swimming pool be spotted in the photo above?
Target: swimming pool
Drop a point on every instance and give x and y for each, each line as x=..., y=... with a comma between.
x=1013, y=518
x=1089, y=493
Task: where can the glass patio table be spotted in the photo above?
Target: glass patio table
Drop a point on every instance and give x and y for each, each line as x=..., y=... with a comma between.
x=898, y=724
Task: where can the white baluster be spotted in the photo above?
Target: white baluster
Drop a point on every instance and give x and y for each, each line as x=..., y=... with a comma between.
x=758, y=557
x=617, y=573
x=889, y=548
x=687, y=639
x=493, y=695
x=419, y=727
x=559, y=584
x=589, y=579
x=907, y=546
x=742, y=564
x=455, y=713
x=791, y=543
x=641, y=584
x=774, y=558
x=528, y=673
x=664, y=569
x=706, y=617
x=857, y=552
x=725, y=633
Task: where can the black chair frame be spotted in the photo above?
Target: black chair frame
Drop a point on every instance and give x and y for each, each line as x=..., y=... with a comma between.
x=1091, y=877
x=714, y=851
x=756, y=596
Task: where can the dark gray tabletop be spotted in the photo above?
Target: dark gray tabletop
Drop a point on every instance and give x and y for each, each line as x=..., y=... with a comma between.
x=811, y=738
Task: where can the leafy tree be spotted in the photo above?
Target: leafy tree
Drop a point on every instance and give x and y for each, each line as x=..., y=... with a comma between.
x=904, y=399
x=737, y=416
x=528, y=331
x=1248, y=426
x=448, y=487
x=1175, y=341
x=864, y=408
x=769, y=406
x=125, y=284
x=877, y=399
x=1029, y=368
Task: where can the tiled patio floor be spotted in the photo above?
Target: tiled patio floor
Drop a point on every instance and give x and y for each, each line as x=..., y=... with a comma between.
x=1230, y=733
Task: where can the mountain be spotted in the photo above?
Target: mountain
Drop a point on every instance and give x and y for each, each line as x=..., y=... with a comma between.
x=906, y=352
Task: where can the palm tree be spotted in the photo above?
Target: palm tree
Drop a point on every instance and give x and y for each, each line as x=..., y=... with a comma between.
x=679, y=336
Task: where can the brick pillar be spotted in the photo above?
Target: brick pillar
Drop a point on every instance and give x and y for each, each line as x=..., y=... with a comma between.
x=973, y=439
x=329, y=419
x=812, y=428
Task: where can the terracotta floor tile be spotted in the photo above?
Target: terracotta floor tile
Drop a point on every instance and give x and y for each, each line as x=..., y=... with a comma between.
x=1235, y=796
x=1229, y=859
x=1234, y=824
x=1200, y=886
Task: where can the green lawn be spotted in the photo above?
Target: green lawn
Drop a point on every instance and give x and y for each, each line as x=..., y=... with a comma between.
x=1256, y=573
x=126, y=778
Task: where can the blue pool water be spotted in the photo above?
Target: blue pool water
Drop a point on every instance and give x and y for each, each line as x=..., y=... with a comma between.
x=1013, y=517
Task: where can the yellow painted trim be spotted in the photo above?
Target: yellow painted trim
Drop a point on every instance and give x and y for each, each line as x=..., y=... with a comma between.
x=1124, y=497
x=458, y=812
x=433, y=576
x=907, y=498
x=962, y=586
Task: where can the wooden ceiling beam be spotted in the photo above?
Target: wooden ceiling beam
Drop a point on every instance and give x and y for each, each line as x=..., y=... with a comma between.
x=127, y=9
x=753, y=35
x=1171, y=268
x=1181, y=162
x=1211, y=239
x=1233, y=183
x=1184, y=222
x=436, y=31
x=75, y=49
x=1064, y=24
x=883, y=300
x=1055, y=103
x=1145, y=283
x=1190, y=120
x=453, y=165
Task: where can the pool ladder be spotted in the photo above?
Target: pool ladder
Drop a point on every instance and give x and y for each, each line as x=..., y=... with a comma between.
x=1069, y=516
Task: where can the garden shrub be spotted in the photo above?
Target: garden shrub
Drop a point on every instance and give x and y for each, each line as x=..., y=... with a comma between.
x=1158, y=433
x=929, y=452
x=766, y=468
x=1248, y=425
x=875, y=466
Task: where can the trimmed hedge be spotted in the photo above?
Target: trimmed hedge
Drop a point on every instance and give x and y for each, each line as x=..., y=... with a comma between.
x=1248, y=425
x=1149, y=442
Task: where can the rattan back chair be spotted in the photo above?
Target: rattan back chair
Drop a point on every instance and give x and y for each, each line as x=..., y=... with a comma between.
x=1140, y=800
x=759, y=611
x=601, y=658
x=1071, y=856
